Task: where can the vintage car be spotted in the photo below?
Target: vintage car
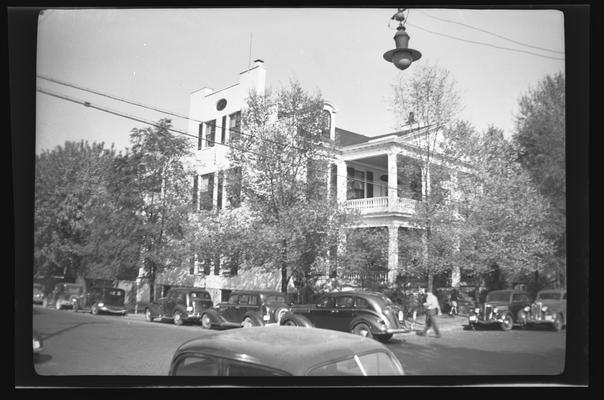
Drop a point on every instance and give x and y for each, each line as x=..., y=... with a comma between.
x=504, y=308
x=183, y=304
x=549, y=308
x=283, y=351
x=38, y=345
x=97, y=300
x=63, y=295
x=465, y=302
x=38, y=293
x=246, y=308
x=364, y=313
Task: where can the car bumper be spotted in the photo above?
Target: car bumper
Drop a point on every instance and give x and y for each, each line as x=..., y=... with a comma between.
x=475, y=320
x=548, y=319
x=121, y=311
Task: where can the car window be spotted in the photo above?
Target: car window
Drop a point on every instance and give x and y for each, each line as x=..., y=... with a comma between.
x=232, y=368
x=233, y=299
x=244, y=299
x=549, y=296
x=377, y=363
x=196, y=366
x=498, y=296
x=253, y=300
x=360, y=302
x=326, y=302
x=200, y=295
x=344, y=301
x=272, y=298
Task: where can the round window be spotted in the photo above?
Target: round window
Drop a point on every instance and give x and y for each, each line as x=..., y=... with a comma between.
x=221, y=104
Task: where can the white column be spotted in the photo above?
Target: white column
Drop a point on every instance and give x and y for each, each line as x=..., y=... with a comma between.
x=425, y=182
x=392, y=180
x=341, y=181
x=392, y=253
x=203, y=136
x=215, y=192
x=328, y=186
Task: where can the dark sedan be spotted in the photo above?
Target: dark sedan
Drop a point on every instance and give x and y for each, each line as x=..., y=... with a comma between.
x=503, y=308
x=283, y=351
x=183, y=304
x=102, y=300
x=370, y=314
x=548, y=309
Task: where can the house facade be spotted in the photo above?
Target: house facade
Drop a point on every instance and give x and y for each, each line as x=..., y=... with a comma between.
x=366, y=175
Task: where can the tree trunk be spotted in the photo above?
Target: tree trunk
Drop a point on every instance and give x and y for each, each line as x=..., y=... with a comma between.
x=284, y=278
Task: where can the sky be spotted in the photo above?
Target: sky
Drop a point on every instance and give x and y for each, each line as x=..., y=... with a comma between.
x=157, y=57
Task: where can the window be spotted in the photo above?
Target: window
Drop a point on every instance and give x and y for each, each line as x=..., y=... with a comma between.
x=361, y=303
x=233, y=299
x=253, y=300
x=326, y=122
x=377, y=363
x=210, y=133
x=223, y=130
x=326, y=302
x=244, y=299
x=235, y=126
x=233, y=368
x=344, y=302
x=206, y=192
x=356, y=184
x=197, y=366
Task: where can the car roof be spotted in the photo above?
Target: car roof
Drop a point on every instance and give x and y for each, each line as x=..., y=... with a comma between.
x=188, y=289
x=508, y=291
x=305, y=347
x=270, y=292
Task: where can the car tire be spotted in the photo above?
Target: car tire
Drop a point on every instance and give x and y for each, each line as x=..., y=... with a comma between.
x=282, y=311
x=94, y=310
x=362, y=329
x=508, y=323
x=384, y=338
x=473, y=326
x=289, y=322
x=248, y=323
x=148, y=315
x=177, y=317
x=206, y=322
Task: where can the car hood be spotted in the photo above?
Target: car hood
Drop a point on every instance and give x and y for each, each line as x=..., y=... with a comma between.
x=498, y=304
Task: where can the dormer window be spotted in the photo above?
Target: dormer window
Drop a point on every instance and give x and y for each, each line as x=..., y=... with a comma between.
x=326, y=123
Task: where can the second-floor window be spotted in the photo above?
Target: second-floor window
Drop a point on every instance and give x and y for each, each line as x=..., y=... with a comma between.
x=210, y=133
x=206, y=192
x=235, y=125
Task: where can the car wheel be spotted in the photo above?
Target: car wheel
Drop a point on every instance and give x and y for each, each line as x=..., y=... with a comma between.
x=177, y=318
x=384, y=338
x=94, y=310
x=508, y=323
x=362, y=329
x=247, y=323
x=473, y=327
x=148, y=315
x=558, y=323
x=206, y=322
x=289, y=322
x=58, y=305
x=75, y=307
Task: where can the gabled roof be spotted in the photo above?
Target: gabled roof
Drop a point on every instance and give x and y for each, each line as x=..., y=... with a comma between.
x=348, y=138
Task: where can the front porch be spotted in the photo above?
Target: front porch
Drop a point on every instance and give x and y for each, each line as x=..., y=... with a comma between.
x=383, y=204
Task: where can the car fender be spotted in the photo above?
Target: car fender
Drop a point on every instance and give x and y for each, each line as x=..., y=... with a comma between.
x=215, y=316
x=300, y=320
x=154, y=308
x=254, y=316
x=369, y=319
x=181, y=308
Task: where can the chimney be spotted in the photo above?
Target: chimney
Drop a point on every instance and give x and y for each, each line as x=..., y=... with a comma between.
x=258, y=62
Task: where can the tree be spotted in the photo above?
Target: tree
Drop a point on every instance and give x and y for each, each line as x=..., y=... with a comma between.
x=430, y=97
x=69, y=185
x=156, y=169
x=282, y=158
x=366, y=253
x=540, y=137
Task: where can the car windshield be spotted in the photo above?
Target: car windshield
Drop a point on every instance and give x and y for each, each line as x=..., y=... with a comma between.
x=274, y=298
x=498, y=296
x=549, y=296
x=200, y=295
x=376, y=363
x=73, y=289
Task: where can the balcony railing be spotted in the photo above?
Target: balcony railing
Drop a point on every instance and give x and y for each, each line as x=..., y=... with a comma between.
x=382, y=204
x=368, y=279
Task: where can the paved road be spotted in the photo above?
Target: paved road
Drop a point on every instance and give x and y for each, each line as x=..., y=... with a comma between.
x=83, y=344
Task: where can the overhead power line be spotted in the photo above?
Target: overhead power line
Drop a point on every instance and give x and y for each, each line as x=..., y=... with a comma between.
x=191, y=137
x=491, y=33
x=486, y=44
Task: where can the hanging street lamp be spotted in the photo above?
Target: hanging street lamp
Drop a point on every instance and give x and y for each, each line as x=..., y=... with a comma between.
x=402, y=56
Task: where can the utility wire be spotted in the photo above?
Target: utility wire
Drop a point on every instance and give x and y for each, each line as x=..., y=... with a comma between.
x=487, y=44
x=113, y=97
x=491, y=33
x=177, y=131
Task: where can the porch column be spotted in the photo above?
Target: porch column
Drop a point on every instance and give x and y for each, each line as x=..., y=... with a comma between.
x=341, y=181
x=392, y=180
x=392, y=253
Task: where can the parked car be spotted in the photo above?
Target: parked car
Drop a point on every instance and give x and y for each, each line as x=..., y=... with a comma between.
x=364, y=313
x=38, y=345
x=63, y=295
x=283, y=351
x=465, y=303
x=180, y=305
x=549, y=308
x=101, y=300
x=246, y=308
x=502, y=307
x=38, y=293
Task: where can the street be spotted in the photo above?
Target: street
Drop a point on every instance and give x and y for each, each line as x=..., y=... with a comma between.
x=83, y=344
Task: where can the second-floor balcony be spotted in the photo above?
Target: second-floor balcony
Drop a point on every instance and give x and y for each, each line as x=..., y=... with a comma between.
x=383, y=204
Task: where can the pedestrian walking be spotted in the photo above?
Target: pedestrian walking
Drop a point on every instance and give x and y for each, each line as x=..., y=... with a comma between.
x=432, y=307
x=415, y=302
x=453, y=297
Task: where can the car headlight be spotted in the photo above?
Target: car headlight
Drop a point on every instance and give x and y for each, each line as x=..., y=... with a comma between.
x=401, y=316
x=477, y=310
x=101, y=304
x=189, y=308
x=527, y=309
x=544, y=309
x=495, y=310
x=36, y=344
